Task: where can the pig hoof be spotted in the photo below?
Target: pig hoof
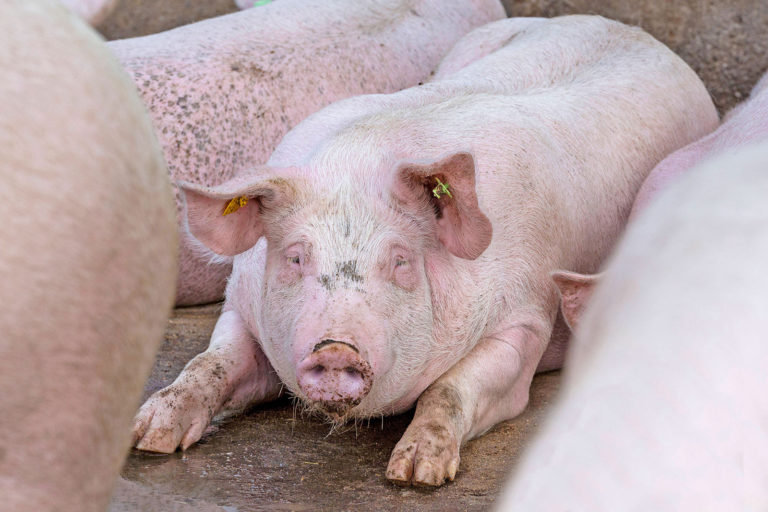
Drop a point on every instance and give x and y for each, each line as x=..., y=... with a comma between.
x=169, y=419
x=427, y=455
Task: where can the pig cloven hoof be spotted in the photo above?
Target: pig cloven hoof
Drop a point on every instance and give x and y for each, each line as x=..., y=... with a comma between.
x=171, y=418
x=426, y=456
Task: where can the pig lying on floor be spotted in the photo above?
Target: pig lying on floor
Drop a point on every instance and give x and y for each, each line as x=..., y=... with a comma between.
x=398, y=247
x=664, y=405
x=222, y=92
x=745, y=124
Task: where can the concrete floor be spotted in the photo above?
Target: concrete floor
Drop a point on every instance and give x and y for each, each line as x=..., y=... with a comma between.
x=269, y=459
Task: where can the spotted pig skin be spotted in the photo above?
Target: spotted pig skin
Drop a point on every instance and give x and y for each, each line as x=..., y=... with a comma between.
x=222, y=92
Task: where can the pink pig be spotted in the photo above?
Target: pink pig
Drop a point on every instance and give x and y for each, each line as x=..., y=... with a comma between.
x=398, y=247
x=745, y=124
x=664, y=405
x=223, y=92
x=87, y=260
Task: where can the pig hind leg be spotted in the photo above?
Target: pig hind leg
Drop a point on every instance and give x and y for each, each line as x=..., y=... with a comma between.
x=489, y=385
x=232, y=374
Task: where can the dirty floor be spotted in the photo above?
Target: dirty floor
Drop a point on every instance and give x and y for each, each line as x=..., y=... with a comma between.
x=272, y=459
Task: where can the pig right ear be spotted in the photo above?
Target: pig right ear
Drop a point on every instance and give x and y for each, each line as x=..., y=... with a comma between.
x=575, y=293
x=228, y=218
x=447, y=187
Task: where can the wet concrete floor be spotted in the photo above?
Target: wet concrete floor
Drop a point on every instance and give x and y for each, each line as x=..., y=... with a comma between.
x=272, y=459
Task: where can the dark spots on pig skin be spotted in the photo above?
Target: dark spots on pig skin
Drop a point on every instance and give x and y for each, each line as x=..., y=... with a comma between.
x=326, y=282
x=442, y=399
x=249, y=68
x=348, y=270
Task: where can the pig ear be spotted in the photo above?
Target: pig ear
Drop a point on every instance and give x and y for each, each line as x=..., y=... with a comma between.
x=575, y=292
x=448, y=185
x=227, y=218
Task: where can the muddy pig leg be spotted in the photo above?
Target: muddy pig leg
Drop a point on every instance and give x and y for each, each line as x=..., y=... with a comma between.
x=231, y=374
x=489, y=385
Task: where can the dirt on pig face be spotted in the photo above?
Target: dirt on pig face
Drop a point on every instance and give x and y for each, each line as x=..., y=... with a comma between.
x=350, y=284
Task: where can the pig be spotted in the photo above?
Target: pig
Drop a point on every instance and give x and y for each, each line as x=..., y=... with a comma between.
x=397, y=248
x=88, y=252
x=745, y=124
x=663, y=404
x=92, y=11
x=222, y=92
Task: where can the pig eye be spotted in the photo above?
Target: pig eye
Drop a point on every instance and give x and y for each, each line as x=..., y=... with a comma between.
x=294, y=260
x=400, y=262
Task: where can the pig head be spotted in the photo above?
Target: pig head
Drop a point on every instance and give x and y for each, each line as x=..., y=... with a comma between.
x=340, y=291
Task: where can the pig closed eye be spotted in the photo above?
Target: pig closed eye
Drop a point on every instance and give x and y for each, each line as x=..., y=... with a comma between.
x=294, y=260
x=400, y=262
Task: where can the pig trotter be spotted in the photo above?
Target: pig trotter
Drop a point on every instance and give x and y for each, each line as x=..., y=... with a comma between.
x=428, y=453
x=174, y=416
x=232, y=374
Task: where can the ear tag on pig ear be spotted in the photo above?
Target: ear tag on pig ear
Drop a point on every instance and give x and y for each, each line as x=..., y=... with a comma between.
x=234, y=205
x=259, y=3
x=441, y=189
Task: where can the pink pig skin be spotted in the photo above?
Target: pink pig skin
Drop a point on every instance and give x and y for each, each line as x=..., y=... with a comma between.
x=88, y=253
x=664, y=405
x=222, y=92
x=348, y=241
x=745, y=124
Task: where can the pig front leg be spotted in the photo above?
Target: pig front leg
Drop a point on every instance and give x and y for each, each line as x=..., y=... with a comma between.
x=231, y=374
x=489, y=385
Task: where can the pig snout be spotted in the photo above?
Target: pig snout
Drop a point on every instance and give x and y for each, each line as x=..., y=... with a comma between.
x=335, y=377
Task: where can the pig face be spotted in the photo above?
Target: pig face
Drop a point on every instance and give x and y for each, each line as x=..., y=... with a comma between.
x=339, y=289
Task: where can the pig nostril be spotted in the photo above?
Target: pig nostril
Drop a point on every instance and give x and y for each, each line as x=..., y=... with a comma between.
x=317, y=369
x=352, y=372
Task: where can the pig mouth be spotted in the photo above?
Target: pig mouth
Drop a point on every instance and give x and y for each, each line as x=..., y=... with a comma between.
x=337, y=408
x=338, y=411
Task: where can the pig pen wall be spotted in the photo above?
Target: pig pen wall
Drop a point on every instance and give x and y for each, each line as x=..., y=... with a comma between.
x=725, y=42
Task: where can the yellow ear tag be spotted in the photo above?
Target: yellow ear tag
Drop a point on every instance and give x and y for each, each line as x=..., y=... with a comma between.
x=234, y=205
x=441, y=189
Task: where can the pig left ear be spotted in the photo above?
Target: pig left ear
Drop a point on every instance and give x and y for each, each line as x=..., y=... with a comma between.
x=575, y=292
x=448, y=185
